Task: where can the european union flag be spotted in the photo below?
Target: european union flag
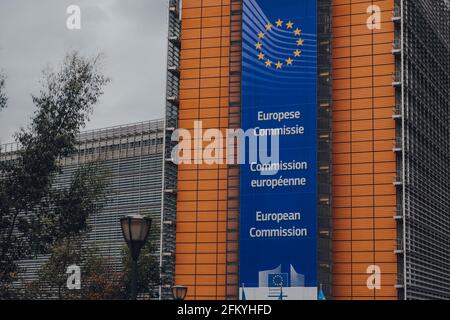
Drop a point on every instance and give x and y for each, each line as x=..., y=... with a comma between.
x=277, y=280
x=321, y=294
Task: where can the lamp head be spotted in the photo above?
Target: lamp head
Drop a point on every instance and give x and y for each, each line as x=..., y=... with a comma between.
x=135, y=229
x=179, y=292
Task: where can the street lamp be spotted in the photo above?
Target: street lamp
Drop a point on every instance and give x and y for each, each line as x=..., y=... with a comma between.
x=179, y=292
x=135, y=229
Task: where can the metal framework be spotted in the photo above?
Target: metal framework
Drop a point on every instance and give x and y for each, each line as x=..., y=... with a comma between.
x=423, y=108
x=233, y=174
x=169, y=191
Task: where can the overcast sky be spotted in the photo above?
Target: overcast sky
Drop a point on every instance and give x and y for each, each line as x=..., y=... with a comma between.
x=132, y=34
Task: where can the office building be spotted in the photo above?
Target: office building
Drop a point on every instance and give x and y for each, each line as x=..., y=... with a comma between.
x=133, y=156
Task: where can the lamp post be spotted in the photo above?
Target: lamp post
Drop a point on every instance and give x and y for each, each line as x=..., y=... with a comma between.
x=179, y=292
x=135, y=229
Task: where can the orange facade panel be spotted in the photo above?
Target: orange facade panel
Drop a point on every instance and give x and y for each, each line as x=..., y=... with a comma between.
x=202, y=198
x=364, y=197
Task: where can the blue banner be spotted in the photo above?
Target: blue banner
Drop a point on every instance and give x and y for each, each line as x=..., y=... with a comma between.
x=278, y=200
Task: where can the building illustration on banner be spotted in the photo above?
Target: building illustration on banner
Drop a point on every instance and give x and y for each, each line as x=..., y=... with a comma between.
x=278, y=285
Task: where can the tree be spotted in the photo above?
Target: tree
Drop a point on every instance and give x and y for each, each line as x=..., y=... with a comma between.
x=99, y=280
x=3, y=99
x=148, y=270
x=102, y=281
x=52, y=277
x=33, y=214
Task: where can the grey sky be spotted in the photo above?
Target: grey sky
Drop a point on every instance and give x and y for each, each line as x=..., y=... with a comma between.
x=132, y=34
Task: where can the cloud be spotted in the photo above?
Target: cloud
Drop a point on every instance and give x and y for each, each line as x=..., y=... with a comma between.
x=131, y=34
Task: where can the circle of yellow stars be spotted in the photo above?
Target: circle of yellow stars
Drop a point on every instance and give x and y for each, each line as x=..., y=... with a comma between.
x=289, y=25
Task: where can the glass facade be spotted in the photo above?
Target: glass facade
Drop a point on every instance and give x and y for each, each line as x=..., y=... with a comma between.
x=133, y=156
x=423, y=98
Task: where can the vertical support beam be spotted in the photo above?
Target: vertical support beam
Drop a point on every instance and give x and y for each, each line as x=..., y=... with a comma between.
x=324, y=142
x=169, y=181
x=234, y=122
